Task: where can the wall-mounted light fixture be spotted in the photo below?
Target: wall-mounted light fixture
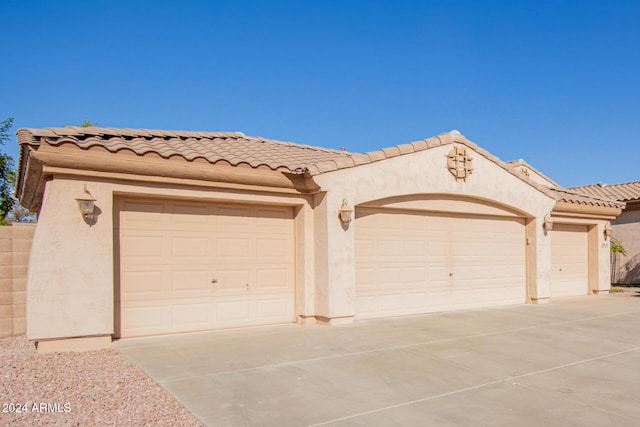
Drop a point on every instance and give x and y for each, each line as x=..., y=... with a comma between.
x=345, y=212
x=548, y=223
x=607, y=231
x=86, y=203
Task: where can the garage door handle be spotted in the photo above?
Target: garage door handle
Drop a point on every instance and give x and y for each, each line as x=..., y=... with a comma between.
x=214, y=280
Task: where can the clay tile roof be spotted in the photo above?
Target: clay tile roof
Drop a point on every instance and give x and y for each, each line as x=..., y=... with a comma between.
x=570, y=196
x=419, y=145
x=623, y=192
x=375, y=156
x=235, y=148
x=232, y=147
x=405, y=148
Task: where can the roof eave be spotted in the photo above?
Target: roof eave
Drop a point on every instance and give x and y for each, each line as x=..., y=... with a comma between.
x=38, y=164
x=564, y=208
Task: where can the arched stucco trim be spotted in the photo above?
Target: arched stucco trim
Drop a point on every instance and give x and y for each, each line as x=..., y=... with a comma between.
x=442, y=202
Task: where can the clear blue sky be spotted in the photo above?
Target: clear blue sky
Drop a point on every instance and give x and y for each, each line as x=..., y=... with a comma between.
x=554, y=82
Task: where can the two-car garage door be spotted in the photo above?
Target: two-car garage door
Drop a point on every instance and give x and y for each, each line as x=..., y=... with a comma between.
x=410, y=262
x=189, y=266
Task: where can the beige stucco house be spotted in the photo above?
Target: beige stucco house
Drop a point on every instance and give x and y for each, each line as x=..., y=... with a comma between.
x=196, y=231
x=626, y=227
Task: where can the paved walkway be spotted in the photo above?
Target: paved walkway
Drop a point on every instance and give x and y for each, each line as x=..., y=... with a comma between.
x=572, y=362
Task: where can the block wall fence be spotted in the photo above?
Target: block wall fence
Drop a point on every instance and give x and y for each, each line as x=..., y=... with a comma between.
x=15, y=247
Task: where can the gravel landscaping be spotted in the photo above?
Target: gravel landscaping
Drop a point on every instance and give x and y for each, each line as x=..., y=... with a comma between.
x=95, y=388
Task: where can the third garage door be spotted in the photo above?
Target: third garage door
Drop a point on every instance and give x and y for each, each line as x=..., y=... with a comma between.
x=569, y=260
x=415, y=262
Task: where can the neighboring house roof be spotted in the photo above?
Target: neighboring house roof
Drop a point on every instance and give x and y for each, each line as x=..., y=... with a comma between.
x=235, y=148
x=623, y=192
x=560, y=193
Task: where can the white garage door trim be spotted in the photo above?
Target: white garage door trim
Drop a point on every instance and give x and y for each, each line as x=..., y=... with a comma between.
x=191, y=266
x=410, y=262
x=569, y=260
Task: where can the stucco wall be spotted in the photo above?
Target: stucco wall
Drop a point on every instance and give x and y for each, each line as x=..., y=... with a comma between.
x=420, y=173
x=71, y=275
x=15, y=245
x=626, y=229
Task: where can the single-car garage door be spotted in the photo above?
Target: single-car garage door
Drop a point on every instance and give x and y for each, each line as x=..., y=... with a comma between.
x=189, y=266
x=416, y=262
x=569, y=260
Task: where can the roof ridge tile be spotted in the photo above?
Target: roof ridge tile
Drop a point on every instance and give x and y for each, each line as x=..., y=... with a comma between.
x=419, y=145
x=406, y=148
x=375, y=156
x=391, y=152
x=434, y=141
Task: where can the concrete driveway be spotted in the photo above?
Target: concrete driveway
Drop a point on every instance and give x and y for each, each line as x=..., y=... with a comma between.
x=572, y=362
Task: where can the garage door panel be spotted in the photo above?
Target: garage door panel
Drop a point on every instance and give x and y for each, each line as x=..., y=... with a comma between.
x=415, y=275
x=167, y=267
x=366, y=305
x=234, y=311
x=415, y=301
x=392, y=302
x=270, y=220
x=417, y=262
x=144, y=317
x=437, y=284
x=188, y=212
x=234, y=248
x=366, y=248
x=272, y=279
x=415, y=248
x=390, y=248
x=272, y=247
x=468, y=296
x=190, y=316
x=366, y=276
x=234, y=216
x=191, y=282
x=230, y=278
x=437, y=300
x=189, y=247
x=510, y=293
x=142, y=214
x=149, y=284
x=142, y=246
x=388, y=276
x=272, y=309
